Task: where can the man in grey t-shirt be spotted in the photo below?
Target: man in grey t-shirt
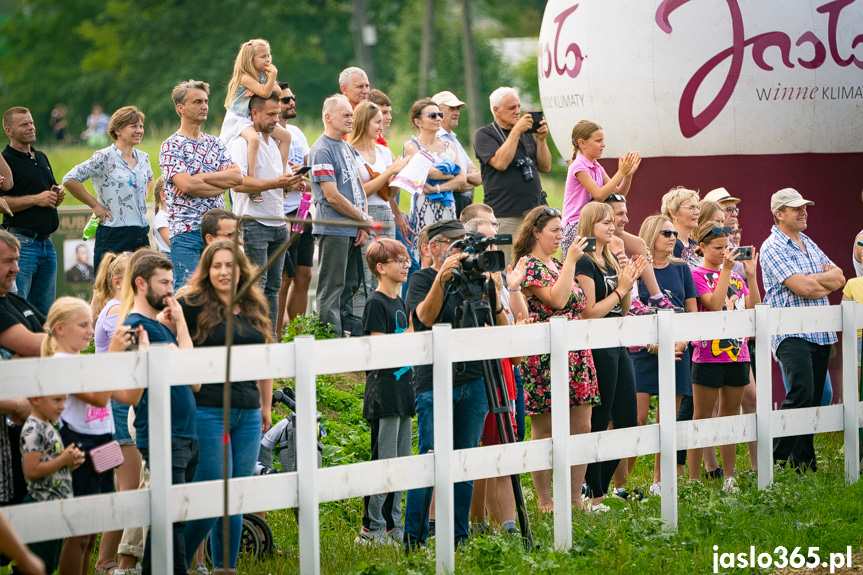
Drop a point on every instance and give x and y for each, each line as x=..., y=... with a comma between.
x=338, y=196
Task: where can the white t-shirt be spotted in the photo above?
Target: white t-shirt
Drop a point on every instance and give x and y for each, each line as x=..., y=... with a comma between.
x=268, y=167
x=297, y=154
x=383, y=159
x=160, y=220
x=84, y=418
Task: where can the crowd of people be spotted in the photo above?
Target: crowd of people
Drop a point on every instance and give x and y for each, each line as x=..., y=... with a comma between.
x=380, y=271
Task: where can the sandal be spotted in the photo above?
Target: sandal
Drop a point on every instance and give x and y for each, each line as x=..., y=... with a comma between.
x=108, y=569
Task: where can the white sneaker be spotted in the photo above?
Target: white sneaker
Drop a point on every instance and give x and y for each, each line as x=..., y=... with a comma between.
x=729, y=485
x=596, y=508
x=373, y=538
x=655, y=489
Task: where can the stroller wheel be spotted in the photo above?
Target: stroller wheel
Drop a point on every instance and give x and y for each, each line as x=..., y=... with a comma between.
x=250, y=541
x=264, y=531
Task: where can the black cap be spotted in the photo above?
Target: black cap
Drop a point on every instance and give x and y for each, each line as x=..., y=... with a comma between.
x=447, y=228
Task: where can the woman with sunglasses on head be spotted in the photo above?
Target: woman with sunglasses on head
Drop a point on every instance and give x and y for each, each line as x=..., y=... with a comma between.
x=437, y=201
x=720, y=368
x=680, y=205
x=675, y=281
x=550, y=289
x=607, y=287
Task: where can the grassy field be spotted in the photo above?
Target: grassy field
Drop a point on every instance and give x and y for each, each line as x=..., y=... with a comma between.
x=64, y=158
x=812, y=510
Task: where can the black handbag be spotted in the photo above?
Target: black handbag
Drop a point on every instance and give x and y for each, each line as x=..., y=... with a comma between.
x=352, y=325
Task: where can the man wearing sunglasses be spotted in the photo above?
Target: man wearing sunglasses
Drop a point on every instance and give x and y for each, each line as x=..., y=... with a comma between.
x=511, y=160
x=452, y=107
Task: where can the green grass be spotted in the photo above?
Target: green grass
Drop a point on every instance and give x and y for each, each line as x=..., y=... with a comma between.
x=812, y=510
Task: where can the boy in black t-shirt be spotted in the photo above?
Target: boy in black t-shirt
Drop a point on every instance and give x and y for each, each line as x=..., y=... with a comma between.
x=388, y=402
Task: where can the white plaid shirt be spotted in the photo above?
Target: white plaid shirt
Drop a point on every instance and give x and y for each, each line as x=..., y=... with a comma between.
x=781, y=258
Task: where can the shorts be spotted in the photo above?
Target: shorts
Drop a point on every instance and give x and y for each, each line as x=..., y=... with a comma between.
x=718, y=375
x=84, y=480
x=121, y=423
x=302, y=250
x=490, y=435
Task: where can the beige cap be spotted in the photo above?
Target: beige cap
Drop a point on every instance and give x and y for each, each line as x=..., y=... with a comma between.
x=720, y=195
x=788, y=197
x=447, y=99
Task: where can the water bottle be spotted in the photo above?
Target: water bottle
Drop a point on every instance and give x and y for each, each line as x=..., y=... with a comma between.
x=302, y=212
x=90, y=228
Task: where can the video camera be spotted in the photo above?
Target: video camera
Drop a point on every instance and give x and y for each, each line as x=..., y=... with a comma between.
x=479, y=259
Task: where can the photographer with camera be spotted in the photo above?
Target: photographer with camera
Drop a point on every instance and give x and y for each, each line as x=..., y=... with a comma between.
x=511, y=160
x=434, y=297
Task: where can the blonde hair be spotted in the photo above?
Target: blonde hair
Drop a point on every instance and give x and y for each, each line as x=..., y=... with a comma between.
x=158, y=201
x=243, y=66
x=64, y=310
x=592, y=214
x=650, y=230
x=674, y=198
x=582, y=130
x=112, y=266
x=704, y=234
x=364, y=113
x=707, y=209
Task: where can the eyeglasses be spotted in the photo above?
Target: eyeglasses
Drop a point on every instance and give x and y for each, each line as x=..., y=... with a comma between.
x=668, y=233
x=553, y=212
x=288, y=99
x=403, y=262
x=615, y=198
x=434, y=115
x=693, y=207
x=496, y=225
x=732, y=209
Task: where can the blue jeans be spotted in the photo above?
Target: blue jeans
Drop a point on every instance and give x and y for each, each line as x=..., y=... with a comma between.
x=469, y=408
x=260, y=242
x=185, y=254
x=245, y=431
x=118, y=240
x=37, y=277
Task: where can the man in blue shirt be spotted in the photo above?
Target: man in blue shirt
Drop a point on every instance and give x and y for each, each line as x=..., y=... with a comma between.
x=452, y=107
x=152, y=281
x=796, y=273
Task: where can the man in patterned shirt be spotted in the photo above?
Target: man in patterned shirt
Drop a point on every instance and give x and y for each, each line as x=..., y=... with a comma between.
x=197, y=170
x=796, y=273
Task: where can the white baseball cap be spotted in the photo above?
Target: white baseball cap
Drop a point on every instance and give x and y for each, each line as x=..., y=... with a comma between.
x=447, y=99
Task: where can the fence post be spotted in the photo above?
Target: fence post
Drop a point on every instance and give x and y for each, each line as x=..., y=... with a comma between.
x=161, y=508
x=307, y=455
x=667, y=417
x=764, y=394
x=849, y=392
x=443, y=485
x=562, y=494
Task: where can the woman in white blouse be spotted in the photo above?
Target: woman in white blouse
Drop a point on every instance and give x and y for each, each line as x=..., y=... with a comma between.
x=123, y=179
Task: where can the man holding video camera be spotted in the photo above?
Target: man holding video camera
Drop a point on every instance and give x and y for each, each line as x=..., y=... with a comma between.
x=433, y=297
x=510, y=160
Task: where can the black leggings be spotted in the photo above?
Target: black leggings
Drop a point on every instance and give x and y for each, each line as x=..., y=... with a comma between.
x=616, y=381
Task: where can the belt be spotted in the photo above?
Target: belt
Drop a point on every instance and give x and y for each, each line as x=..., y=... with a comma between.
x=28, y=233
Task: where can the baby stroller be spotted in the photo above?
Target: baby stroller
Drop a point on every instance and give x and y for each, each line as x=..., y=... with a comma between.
x=256, y=537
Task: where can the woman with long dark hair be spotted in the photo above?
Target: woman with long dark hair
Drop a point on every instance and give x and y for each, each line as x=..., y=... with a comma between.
x=205, y=307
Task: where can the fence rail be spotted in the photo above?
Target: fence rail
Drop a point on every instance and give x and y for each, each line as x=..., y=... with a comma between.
x=306, y=358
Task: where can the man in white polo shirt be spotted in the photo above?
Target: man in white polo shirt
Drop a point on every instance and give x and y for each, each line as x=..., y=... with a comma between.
x=452, y=107
x=267, y=232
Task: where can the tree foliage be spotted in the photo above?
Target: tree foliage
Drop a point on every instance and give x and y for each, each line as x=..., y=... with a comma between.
x=119, y=52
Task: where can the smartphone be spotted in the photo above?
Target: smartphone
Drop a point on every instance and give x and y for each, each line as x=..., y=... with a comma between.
x=743, y=253
x=304, y=170
x=133, y=340
x=591, y=245
x=537, y=117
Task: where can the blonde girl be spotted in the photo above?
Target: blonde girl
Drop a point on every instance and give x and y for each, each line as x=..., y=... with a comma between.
x=254, y=75
x=161, y=230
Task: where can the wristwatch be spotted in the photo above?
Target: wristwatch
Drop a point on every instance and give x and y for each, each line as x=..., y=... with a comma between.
x=365, y=217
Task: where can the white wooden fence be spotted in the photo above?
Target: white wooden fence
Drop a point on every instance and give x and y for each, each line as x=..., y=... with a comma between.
x=309, y=486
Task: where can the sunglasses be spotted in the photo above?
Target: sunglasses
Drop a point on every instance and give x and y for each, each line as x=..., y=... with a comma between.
x=434, y=115
x=720, y=231
x=668, y=233
x=553, y=212
x=373, y=106
x=615, y=198
x=288, y=99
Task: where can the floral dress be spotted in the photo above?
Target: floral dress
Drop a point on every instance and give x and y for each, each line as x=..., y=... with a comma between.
x=536, y=369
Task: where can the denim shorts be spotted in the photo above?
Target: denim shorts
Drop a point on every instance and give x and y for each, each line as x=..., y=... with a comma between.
x=121, y=423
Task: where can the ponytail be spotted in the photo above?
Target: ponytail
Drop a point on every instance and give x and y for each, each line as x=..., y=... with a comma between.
x=112, y=266
x=64, y=310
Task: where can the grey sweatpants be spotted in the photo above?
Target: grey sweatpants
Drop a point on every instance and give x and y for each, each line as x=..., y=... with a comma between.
x=391, y=437
x=338, y=277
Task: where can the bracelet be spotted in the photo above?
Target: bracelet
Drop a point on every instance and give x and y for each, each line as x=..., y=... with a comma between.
x=515, y=290
x=619, y=297
x=499, y=311
x=438, y=188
